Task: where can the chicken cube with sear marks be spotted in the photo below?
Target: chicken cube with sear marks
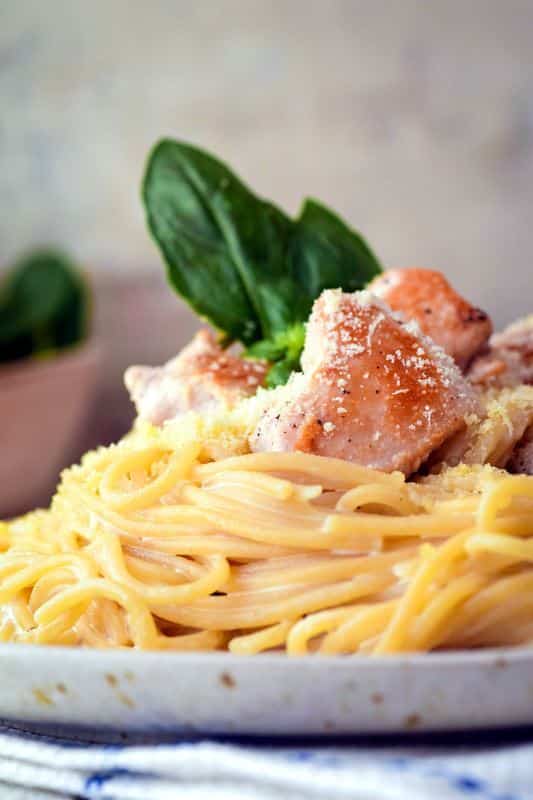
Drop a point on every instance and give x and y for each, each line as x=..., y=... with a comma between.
x=508, y=359
x=426, y=296
x=199, y=378
x=374, y=390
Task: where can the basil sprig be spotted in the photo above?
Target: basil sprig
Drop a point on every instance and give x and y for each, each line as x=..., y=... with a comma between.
x=43, y=306
x=242, y=263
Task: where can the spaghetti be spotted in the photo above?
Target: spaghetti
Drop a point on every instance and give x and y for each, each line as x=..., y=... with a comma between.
x=153, y=544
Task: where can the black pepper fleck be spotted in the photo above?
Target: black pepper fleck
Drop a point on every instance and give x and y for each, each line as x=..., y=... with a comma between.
x=474, y=315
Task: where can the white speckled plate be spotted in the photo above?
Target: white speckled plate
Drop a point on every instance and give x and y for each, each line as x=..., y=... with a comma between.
x=268, y=694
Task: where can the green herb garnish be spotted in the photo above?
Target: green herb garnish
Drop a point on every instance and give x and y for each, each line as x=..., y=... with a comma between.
x=239, y=261
x=43, y=306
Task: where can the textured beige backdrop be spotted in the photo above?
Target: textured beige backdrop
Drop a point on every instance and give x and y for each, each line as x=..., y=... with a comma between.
x=414, y=119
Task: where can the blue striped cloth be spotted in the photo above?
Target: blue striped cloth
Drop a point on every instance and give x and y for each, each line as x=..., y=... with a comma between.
x=38, y=767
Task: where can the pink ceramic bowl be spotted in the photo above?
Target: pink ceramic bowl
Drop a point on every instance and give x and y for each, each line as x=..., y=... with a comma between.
x=43, y=407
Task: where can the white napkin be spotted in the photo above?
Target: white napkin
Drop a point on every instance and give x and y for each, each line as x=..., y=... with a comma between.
x=32, y=768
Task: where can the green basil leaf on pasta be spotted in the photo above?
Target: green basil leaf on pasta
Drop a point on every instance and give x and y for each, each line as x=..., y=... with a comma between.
x=238, y=260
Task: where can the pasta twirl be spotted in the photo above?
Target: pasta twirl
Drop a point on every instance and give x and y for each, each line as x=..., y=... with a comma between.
x=147, y=544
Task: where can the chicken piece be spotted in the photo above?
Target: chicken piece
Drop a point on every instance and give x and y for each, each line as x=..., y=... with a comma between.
x=199, y=378
x=493, y=434
x=373, y=390
x=521, y=460
x=426, y=296
x=508, y=361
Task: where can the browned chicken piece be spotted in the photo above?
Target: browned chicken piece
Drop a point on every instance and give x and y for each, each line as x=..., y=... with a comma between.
x=199, y=378
x=521, y=461
x=426, y=296
x=494, y=434
x=374, y=390
x=508, y=360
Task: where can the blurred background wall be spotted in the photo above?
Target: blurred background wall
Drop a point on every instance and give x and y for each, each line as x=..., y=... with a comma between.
x=413, y=119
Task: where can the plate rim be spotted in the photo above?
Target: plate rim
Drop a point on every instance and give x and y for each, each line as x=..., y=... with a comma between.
x=481, y=657
x=356, y=695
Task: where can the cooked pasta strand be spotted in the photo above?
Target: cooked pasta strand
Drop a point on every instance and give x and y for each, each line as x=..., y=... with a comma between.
x=145, y=546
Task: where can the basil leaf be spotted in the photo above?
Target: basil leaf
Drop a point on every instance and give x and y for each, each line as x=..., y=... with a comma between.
x=223, y=246
x=325, y=253
x=43, y=306
x=290, y=340
x=283, y=350
x=266, y=349
x=279, y=373
x=238, y=260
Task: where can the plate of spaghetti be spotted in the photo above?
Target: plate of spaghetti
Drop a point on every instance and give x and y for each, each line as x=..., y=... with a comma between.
x=322, y=518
